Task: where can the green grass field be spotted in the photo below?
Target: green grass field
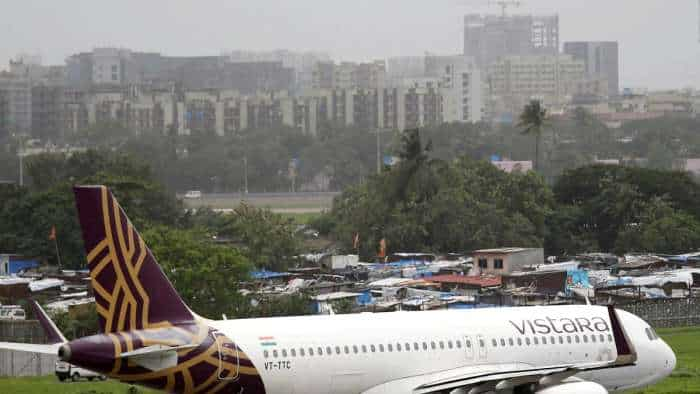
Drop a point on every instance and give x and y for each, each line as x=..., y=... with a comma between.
x=684, y=341
x=686, y=378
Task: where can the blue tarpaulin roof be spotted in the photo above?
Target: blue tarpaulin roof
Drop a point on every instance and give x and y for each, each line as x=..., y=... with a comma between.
x=268, y=274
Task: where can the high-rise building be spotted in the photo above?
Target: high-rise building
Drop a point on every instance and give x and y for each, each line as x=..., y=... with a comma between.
x=461, y=87
x=17, y=93
x=488, y=38
x=601, y=61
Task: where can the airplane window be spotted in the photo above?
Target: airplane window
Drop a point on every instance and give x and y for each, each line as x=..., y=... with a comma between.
x=301, y=352
x=503, y=342
x=520, y=342
x=610, y=338
x=568, y=339
x=442, y=344
x=293, y=352
x=425, y=346
x=398, y=347
x=311, y=351
x=432, y=345
x=337, y=350
x=372, y=348
x=364, y=349
x=494, y=343
x=544, y=340
x=347, y=350
x=553, y=340
x=481, y=343
x=593, y=338
x=527, y=341
x=535, y=341
x=459, y=344
x=389, y=348
x=415, y=346
x=469, y=343
x=449, y=344
x=602, y=338
x=510, y=342
x=266, y=354
x=355, y=349
x=577, y=339
x=274, y=353
x=585, y=339
x=653, y=333
x=284, y=352
x=320, y=351
x=408, y=347
x=561, y=340
x=329, y=351
x=381, y=347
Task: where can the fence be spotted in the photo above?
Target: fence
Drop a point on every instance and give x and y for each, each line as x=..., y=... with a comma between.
x=667, y=313
x=14, y=363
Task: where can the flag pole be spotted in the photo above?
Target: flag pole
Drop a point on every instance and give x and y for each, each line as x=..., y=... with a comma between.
x=58, y=255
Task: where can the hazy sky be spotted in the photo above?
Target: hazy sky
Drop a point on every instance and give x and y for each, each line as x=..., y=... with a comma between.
x=658, y=38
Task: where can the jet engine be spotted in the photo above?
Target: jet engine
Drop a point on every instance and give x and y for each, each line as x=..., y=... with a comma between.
x=574, y=388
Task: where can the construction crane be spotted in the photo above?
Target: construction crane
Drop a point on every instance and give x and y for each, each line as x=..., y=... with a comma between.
x=504, y=4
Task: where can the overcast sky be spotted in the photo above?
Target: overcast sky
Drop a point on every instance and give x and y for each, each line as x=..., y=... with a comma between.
x=658, y=38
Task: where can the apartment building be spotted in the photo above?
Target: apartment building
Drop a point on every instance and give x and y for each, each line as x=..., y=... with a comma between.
x=348, y=75
x=461, y=87
x=489, y=38
x=515, y=80
x=601, y=62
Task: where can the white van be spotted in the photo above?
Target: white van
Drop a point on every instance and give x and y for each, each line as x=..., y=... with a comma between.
x=193, y=194
x=65, y=370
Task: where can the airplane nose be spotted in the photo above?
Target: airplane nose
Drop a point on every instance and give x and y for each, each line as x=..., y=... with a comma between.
x=671, y=360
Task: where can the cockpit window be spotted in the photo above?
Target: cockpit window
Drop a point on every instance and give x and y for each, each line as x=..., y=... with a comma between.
x=649, y=333
x=653, y=334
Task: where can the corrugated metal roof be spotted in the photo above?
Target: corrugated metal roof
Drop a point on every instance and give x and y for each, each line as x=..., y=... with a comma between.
x=482, y=281
x=502, y=250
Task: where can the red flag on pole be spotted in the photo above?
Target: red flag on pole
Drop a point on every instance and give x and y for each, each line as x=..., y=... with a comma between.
x=382, y=248
x=52, y=233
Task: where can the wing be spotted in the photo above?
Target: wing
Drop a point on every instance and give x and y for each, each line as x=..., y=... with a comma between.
x=31, y=347
x=486, y=378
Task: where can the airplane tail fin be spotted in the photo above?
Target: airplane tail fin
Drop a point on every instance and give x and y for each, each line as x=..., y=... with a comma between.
x=131, y=290
x=53, y=334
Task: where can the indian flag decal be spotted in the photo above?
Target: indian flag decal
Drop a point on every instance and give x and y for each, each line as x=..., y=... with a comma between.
x=267, y=341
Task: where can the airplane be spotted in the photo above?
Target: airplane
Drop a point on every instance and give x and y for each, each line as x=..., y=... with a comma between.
x=150, y=337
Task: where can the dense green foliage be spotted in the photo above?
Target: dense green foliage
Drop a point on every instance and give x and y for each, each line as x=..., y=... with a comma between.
x=621, y=209
x=429, y=204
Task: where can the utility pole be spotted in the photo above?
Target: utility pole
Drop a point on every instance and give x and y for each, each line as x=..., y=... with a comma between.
x=379, y=153
x=245, y=174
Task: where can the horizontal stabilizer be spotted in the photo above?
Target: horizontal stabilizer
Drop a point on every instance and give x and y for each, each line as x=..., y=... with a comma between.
x=31, y=347
x=156, y=357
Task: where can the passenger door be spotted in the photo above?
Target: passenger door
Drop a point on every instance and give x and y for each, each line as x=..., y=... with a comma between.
x=481, y=344
x=469, y=348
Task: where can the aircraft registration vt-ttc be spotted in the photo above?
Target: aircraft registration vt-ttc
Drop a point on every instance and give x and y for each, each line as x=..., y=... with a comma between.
x=151, y=338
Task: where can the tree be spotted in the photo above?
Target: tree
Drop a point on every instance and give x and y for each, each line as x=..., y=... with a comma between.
x=267, y=239
x=206, y=275
x=533, y=120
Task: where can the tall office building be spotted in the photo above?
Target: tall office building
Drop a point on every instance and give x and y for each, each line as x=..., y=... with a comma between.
x=601, y=60
x=488, y=38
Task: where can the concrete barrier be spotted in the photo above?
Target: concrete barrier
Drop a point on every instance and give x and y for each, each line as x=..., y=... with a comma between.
x=14, y=363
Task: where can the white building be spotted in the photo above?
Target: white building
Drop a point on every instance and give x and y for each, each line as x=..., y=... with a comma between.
x=461, y=87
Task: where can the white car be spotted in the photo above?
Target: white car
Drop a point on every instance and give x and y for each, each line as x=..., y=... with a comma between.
x=65, y=370
x=193, y=194
x=12, y=312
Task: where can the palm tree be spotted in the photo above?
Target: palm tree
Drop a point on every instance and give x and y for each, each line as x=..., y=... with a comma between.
x=533, y=120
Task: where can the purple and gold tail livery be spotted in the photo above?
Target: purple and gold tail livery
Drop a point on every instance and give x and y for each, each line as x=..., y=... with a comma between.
x=149, y=336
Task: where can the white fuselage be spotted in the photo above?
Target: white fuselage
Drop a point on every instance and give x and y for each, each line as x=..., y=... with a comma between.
x=354, y=353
